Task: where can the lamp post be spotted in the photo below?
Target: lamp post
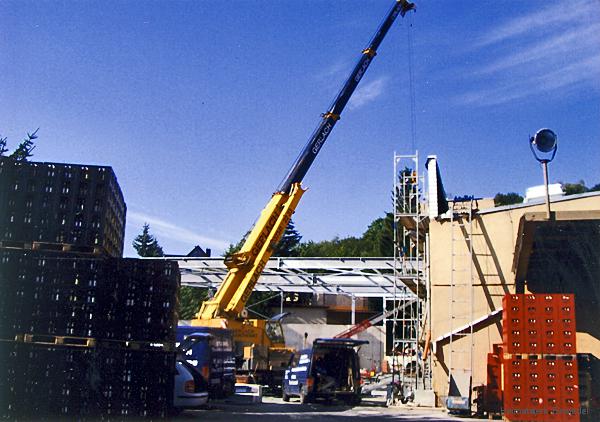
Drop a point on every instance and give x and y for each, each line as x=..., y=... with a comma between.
x=546, y=143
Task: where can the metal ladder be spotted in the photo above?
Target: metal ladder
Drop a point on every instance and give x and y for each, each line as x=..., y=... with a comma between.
x=460, y=361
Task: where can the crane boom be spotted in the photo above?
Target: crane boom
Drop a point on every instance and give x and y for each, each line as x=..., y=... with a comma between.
x=321, y=133
x=246, y=266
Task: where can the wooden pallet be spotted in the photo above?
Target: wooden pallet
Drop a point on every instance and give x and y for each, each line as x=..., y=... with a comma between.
x=52, y=247
x=137, y=345
x=48, y=339
x=56, y=340
x=532, y=356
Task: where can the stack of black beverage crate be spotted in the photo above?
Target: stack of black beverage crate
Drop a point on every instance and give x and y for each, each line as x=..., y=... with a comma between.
x=84, y=333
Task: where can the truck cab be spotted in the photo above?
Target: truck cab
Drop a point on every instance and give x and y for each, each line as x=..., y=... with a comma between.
x=212, y=354
x=329, y=370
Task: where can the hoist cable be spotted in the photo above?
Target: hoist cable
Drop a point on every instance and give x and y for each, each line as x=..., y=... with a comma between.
x=411, y=85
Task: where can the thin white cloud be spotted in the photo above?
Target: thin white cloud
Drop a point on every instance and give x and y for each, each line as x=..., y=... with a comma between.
x=165, y=229
x=334, y=72
x=556, y=14
x=367, y=93
x=551, y=51
x=573, y=75
x=579, y=39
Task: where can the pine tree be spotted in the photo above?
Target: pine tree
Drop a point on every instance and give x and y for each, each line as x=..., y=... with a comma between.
x=190, y=301
x=24, y=150
x=3, y=148
x=146, y=244
x=288, y=245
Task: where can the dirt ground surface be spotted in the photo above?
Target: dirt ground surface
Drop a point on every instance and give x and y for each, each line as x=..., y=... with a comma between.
x=276, y=410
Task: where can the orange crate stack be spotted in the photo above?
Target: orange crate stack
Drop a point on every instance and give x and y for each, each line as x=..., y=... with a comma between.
x=540, y=362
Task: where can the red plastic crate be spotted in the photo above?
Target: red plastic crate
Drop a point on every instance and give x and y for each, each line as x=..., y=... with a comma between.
x=536, y=408
x=515, y=389
x=512, y=311
x=566, y=323
x=533, y=345
x=531, y=305
x=566, y=304
x=514, y=340
x=549, y=305
x=493, y=370
x=498, y=349
x=515, y=401
x=553, y=406
x=493, y=390
x=567, y=369
x=535, y=370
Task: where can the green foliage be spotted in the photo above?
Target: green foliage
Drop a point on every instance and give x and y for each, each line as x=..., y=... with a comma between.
x=379, y=237
x=146, y=244
x=190, y=300
x=406, y=200
x=376, y=241
x=507, y=199
x=24, y=150
x=579, y=187
x=288, y=245
x=575, y=188
x=3, y=148
x=349, y=246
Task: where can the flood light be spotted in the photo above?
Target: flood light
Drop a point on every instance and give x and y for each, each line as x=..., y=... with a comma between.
x=545, y=141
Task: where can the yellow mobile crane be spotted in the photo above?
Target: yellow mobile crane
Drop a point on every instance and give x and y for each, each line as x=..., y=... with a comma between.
x=226, y=308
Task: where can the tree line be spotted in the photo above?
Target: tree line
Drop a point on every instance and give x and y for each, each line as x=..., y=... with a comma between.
x=376, y=241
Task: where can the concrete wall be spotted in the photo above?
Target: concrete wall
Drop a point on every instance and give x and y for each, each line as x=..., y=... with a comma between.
x=494, y=239
x=309, y=315
x=370, y=354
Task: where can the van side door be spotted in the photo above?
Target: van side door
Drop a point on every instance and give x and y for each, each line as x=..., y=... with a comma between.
x=302, y=370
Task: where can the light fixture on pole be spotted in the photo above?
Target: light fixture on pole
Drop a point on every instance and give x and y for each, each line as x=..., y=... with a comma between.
x=546, y=143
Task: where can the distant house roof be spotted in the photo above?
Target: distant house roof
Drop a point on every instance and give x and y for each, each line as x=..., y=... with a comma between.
x=197, y=252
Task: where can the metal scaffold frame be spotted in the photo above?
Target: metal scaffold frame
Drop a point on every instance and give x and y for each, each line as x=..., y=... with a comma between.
x=410, y=245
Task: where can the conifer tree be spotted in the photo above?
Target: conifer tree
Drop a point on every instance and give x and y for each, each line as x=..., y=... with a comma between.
x=146, y=244
x=24, y=150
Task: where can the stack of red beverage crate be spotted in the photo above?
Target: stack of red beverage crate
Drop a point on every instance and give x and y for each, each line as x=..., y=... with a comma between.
x=539, y=360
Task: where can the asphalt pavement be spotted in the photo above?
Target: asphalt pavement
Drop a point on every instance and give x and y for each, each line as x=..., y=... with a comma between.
x=276, y=410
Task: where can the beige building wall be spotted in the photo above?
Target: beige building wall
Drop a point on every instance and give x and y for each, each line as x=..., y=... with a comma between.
x=371, y=355
x=494, y=239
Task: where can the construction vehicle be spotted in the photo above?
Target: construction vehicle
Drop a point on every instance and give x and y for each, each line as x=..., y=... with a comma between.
x=262, y=340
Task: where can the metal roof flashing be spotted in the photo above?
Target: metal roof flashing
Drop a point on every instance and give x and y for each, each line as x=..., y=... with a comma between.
x=538, y=202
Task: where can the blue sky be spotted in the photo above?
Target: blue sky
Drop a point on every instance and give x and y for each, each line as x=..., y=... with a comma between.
x=201, y=106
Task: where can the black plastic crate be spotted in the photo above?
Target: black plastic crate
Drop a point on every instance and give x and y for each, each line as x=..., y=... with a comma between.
x=64, y=295
x=84, y=383
x=61, y=203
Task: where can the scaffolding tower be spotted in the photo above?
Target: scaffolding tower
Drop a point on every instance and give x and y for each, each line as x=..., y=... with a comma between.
x=409, y=322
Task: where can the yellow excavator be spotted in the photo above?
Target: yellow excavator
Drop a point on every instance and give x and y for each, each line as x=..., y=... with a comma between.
x=262, y=340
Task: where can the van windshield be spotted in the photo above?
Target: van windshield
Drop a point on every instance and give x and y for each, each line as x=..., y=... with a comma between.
x=274, y=331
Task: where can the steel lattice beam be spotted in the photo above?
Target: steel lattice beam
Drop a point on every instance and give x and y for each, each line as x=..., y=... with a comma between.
x=362, y=277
